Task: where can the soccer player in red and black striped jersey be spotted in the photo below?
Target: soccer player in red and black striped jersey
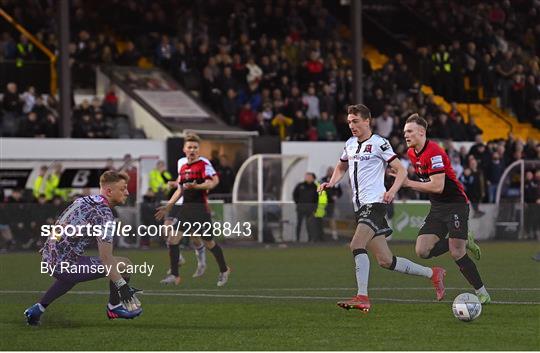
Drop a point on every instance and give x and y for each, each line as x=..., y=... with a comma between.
x=449, y=213
x=196, y=177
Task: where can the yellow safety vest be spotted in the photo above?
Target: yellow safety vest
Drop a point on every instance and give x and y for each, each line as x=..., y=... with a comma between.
x=38, y=183
x=19, y=62
x=157, y=181
x=321, y=204
x=52, y=190
x=443, y=61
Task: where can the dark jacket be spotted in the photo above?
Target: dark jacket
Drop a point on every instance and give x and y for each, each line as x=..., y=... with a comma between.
x=305, y=196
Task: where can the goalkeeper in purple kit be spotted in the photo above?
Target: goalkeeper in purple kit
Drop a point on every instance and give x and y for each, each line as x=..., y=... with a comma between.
x=63, y=253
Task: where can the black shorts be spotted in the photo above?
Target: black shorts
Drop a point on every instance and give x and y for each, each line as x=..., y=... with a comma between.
x=451, y=220
x=194, y=219
x=373, y=215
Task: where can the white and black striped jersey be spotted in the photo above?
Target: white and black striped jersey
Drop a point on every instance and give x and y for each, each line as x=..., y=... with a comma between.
x=367, y=164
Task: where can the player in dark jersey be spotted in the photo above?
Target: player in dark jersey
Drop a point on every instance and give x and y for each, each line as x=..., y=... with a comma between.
x=196, y=177
x=449, y=213
x=63, y=252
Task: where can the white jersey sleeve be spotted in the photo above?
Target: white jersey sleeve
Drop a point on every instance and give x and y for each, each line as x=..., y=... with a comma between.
x=209, y=170
x=344, y=157
x=385, y=150
x=179, y=165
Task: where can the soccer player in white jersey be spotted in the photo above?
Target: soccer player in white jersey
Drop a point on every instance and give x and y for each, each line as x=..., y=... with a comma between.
x=366, y=156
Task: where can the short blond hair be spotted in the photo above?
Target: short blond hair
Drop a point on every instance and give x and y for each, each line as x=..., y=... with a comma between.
x=191, y=137
x=112, y=176
x=415, y=118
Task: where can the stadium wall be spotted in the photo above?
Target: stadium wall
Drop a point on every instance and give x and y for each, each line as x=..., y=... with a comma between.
x=58, y=149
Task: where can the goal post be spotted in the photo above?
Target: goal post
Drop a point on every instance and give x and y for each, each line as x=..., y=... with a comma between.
x=262, y=193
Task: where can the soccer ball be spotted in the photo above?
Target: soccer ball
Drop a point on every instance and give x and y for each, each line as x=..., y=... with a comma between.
x=466, y=307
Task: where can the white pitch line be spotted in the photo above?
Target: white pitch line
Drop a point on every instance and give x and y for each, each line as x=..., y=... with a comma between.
x=491, y=289
x=250, y=296
x=352, y=288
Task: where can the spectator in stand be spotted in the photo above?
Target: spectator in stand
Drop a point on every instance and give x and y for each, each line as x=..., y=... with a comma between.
x=474, y=183
x=31, y=126
x=326, y=129
x=384, y=123
x=458, y=60
x=425, y=66
x=456, y=165
x=531, y=99
x=459, y=129
x=84, y=127
x=442, y=127
x=229, y=107
x=130, y=56
x=473, y=129
x=99, y=127
x=110, y=102
x=506, y=69
x=300, y=127
x=327, y=101
x=495, y=170
x=282, y=125
x=255, y=73
x=312, y=102
x=314, y=67
x=442, y=69
x=51, y=126
x=29, y=99
x=40, y=108
x=25, y=53
x=488, y=76
x=377, y=105
x=342, y=127
x=12, y=105
x=247, y=118
x=532, y=204
x=164, y=53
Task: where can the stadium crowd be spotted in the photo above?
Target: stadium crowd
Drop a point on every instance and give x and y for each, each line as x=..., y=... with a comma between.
x=31, y=114
x=496, y=45
x=261, y=68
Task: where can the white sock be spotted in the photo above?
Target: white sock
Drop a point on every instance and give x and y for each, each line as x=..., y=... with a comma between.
x=201, y=256
x=362, y=273
x=41, y=307
x=482, y=291
x=404, y=265
x=111, y=307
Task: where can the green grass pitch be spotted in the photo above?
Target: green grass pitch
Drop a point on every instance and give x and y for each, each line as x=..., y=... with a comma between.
x=280, y=299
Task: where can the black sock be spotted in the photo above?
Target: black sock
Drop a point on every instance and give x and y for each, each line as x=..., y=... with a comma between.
x=174, y=257
x=218, y=254
x=57, y=289
x=469, y=271
x=440, y=248
x=114, y=297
